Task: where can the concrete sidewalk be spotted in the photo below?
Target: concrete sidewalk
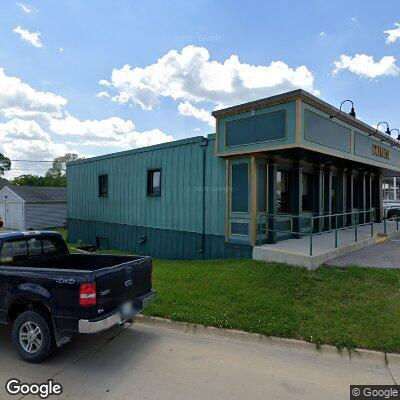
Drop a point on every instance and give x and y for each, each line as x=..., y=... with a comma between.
x=154, y=362
x=381, y=255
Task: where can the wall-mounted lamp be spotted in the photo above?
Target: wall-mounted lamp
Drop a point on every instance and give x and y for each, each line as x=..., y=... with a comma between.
x=398, y=132
x=352, y=112
x=387, y=129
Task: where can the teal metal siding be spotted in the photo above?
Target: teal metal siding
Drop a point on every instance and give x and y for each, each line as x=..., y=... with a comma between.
x=187, y=219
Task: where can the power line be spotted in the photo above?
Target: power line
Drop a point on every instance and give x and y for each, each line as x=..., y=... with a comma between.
x=27, y=169
x=32, y=160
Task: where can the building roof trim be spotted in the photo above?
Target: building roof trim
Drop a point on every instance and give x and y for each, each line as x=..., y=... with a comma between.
x=310, y=99
x=173, y=143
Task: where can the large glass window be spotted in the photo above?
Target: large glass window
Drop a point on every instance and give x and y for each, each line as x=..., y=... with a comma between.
x=240, y=188
x=282, y=191
x=307, y=191
x=388, y=189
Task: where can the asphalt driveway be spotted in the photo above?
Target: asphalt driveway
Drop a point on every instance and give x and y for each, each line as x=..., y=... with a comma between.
x=380, y=255
x=148, y=362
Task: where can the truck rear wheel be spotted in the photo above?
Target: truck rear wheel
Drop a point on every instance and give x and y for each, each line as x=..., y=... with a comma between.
x=31, y=336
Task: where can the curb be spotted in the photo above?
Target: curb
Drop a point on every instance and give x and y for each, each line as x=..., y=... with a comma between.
x=292, y=344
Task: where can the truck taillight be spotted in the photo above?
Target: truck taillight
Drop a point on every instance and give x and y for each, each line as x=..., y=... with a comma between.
x=87, y=295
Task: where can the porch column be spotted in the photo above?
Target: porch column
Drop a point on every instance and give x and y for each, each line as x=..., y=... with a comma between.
x=380, y=212
x=297, y=197
x=350, y=197
x=370, y=194
x=328, y=198
x=342, y=196
x=272, y=200
x=319, y=196
x=364, y=196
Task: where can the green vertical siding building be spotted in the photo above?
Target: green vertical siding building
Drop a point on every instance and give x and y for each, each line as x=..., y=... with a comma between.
x=271, y=164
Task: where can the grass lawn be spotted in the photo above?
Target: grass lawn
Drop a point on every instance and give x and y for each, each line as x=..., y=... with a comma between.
x=345, y=307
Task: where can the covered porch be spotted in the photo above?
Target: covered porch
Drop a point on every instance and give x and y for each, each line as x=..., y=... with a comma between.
x=291, y=193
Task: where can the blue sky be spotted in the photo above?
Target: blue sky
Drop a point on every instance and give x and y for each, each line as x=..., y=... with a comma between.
x=183, y=60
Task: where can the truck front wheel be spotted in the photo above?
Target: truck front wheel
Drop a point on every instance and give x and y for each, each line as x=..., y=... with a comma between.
x=31, y=336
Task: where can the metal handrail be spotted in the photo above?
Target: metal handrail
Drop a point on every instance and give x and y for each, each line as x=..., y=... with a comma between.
x=371, y=213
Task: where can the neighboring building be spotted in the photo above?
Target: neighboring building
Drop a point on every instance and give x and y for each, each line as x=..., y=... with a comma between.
x=33, y=207
x=271, y=165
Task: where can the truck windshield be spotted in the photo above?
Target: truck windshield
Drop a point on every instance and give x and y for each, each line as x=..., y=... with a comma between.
x=23, y=248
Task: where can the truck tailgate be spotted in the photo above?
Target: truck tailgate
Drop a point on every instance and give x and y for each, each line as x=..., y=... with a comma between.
x=122, y=283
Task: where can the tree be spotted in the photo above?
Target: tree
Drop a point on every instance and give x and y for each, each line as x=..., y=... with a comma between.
x=55, y=176
x=28, y=180
x=5, y=164
x=36, y=180
x=58, y=169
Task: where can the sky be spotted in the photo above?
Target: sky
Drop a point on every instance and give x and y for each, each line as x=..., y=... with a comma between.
x=94, y=77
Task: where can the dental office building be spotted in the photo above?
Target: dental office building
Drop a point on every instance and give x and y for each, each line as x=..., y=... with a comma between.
x=270, y=165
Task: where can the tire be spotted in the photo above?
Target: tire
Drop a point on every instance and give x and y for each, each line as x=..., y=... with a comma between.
x=31, y=336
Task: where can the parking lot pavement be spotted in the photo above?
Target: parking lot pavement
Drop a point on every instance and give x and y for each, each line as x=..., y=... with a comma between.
x=380, y=255
x=148, y=362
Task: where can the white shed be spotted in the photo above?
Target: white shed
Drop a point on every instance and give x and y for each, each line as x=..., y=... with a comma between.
x=33, y=207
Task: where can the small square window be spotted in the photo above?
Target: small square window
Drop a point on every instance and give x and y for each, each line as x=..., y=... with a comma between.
x=103, y=185
x=154, y=182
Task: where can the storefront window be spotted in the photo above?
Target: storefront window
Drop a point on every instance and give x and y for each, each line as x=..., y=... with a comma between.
x=388, y=189
x=282, y=192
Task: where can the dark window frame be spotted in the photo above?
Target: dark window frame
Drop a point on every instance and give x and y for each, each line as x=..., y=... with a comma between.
x=101, y=191
x=150, y=187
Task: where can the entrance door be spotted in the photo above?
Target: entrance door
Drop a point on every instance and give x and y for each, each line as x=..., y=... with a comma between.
x=14, y=216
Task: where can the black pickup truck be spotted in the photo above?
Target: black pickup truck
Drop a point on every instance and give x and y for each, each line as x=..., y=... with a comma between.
x=47, y=294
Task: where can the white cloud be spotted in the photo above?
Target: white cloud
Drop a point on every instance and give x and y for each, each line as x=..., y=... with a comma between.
x=38, y=127
x=201, y=114
x=103, y=94
x=192, y=76
x=104, y=82
x=115, y=132
x=33, y=38
x=22, y=129
x=322, y=34
x=364, y=65
x=61, y=49
x=393, y=34
x=18, y=99
x=24, y=8
x=22, y=139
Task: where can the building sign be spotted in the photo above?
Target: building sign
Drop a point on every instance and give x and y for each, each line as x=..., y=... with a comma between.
x=380, y=152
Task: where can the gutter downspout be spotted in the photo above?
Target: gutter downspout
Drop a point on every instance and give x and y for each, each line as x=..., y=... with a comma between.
x=204, y=144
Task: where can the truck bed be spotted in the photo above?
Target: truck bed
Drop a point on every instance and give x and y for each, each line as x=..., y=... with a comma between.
x=81, y=262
